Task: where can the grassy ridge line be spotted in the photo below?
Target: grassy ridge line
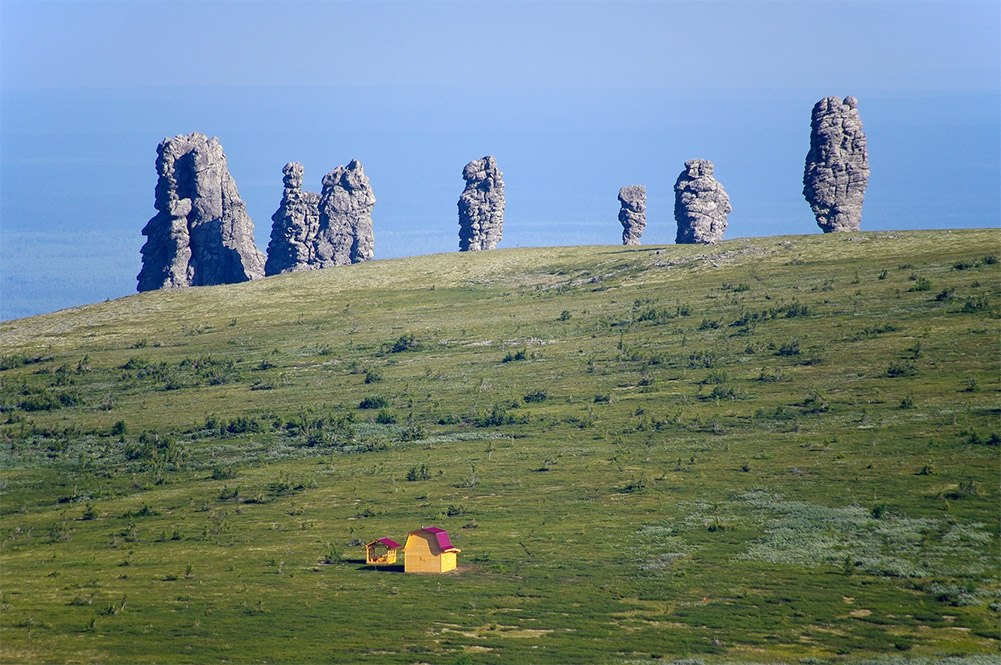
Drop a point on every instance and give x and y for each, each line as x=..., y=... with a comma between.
x=272, y=299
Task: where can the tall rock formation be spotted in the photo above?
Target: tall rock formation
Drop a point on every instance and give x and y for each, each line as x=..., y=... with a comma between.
x=295, y=226
x=345, y=218
x=632, y=213
x=700, y=204
x=837, y=166
x=201, y=233
x=481, y=205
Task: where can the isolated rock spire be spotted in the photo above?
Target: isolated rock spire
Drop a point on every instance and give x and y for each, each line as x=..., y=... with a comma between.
x=345, y=218
x=632, y=213
x=201, y=233
x=837, y=166
x=481, y=205
x=700, y=204
x=295, y=226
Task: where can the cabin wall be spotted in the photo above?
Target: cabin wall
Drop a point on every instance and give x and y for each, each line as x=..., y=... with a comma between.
x=447, y=562
x=419, y=557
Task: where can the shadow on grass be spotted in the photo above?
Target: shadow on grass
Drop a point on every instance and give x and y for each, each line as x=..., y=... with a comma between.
x=381, y=568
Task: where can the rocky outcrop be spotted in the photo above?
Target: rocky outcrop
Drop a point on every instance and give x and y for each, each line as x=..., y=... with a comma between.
x=632, y=213
x=700, y=204
x=481, y=206
x=837, y=166
x=201, y=233
x=345, y=234
x=295, y=226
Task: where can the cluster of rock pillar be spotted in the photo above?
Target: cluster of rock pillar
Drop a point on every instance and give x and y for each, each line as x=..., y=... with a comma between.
x=333, y=228
x=834, y=182
x=201, y=233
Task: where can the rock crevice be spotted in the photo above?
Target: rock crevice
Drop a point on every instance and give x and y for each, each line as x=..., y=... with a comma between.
x=333, y=228
x=701, y=205
x=837, y=166
x=201, y=234
x=632, y=213
x=481, y=206
x=345, y=223
x=295, y=225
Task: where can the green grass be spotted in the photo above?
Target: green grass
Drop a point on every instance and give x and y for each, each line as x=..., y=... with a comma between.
x=776, y=449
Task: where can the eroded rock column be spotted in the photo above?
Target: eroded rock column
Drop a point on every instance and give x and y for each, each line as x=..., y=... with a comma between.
x=481, y=206
x=837, y=166
x=700, y=204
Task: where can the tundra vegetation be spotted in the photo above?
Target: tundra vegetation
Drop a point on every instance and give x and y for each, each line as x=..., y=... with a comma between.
x=775, y=449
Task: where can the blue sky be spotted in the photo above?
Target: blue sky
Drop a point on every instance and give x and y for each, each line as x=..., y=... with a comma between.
x=575, y=99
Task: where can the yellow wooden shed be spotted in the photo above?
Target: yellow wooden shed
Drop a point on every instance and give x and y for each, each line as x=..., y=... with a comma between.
x=381, y=552
x=429, y=550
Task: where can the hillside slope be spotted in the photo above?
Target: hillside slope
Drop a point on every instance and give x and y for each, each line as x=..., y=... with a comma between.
x=771, y=449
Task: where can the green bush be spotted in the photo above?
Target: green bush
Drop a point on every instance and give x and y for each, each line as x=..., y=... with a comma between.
x=385, y=417
x=373, y=402
x=512, y=356
x=535, y=396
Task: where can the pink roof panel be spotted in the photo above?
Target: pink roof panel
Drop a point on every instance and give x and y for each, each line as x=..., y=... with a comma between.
x=441, y=535
x=388, y=542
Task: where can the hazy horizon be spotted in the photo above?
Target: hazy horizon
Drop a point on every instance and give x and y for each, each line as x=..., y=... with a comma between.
x=597, y=95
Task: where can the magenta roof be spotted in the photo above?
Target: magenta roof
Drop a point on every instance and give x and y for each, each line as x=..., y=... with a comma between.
x=388, y=542
x=443, y=542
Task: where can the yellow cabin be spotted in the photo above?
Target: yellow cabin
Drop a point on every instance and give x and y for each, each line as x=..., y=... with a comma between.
x=381, y=552
x=428, y=550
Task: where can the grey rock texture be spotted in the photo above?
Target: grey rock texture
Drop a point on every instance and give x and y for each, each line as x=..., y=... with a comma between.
x=700, y=204
x=837, y=166
x=201, y=233
x=632, y=213
x=481, y=206
x=295, y=226
x=345, y=234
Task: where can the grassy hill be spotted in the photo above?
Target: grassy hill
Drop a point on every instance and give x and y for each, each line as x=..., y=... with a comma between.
x=774, y=449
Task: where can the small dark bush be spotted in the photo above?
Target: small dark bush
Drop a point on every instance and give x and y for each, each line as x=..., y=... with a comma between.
x=222, y=473
x=404, y=343
x=520, y=354
x=901, y=368
x=816, y=403
x=419, y=473
x=498, y=416
x=536, y=396
x=723, y=392
x=796, y=309
x=789, y=349
x=373, y=402
x=974, y=304
x=637, y=485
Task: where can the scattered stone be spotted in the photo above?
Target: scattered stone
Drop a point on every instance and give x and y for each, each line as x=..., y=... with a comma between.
x=296, y=224
x=481, y=206
x=700, y=204
x=345, y=218
x=632, y=213
x=837, y=166
x=201, y=233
